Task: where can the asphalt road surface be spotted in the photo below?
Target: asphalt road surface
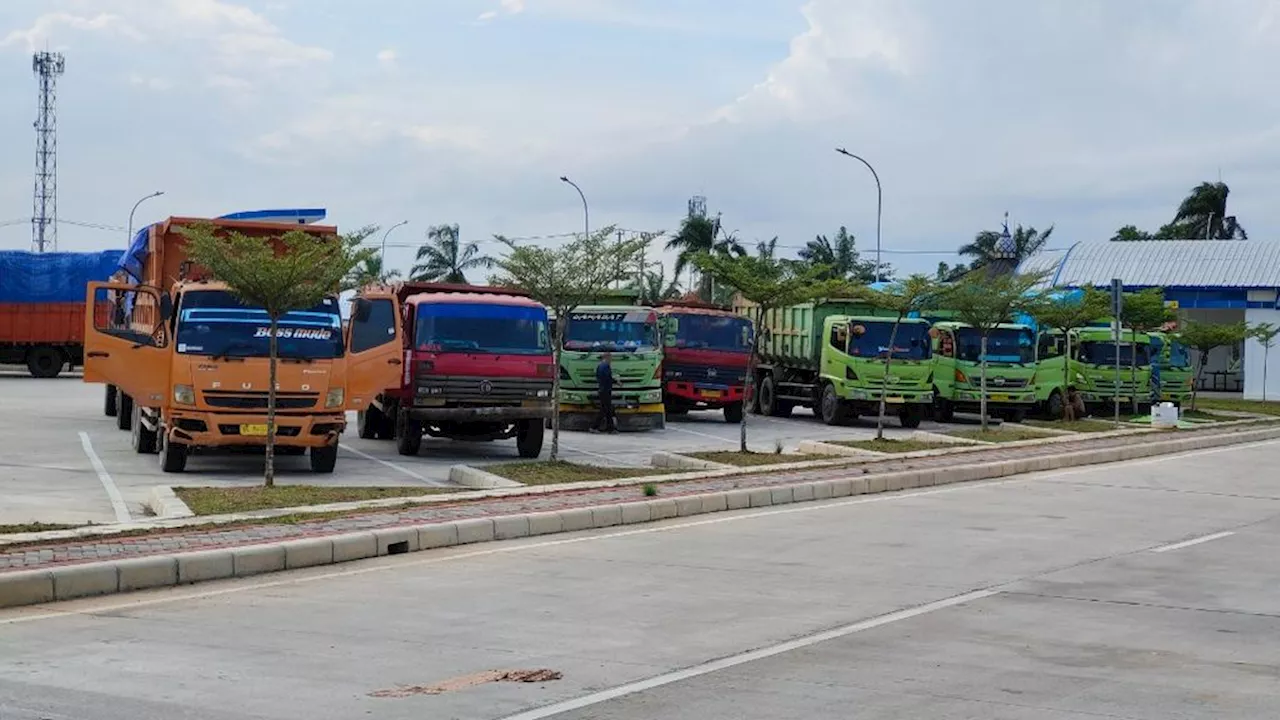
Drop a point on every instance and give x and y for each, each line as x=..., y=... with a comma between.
x=61, y=459
x=1137, y=591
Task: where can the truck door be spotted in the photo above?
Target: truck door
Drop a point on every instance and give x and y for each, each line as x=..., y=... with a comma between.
x=374, y=349
x=126, y=340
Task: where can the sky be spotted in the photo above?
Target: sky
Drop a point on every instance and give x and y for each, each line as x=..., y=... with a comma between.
x=1082, y=114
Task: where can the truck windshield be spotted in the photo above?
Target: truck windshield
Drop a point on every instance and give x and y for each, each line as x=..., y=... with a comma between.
x=1004, y=345
x=713, y=332
x=911, y=342
x=624, y=331
x=214, y=322
x=1104, y=353
x=1170, y=353
x=482, y=328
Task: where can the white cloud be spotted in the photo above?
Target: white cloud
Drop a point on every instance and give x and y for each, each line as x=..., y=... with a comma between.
x=158, y=84
x=387, y=58
x=46, y=28
x=505, y=7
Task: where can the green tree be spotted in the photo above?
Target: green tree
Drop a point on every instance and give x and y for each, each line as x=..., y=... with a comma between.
x=903, y=297
x=840, y=254
x=984, y=303
x=445, y=258
x=654, y=288
x=700, y=235
x=1131, y=233
x=950, y=273
x=1143, y=312
x=564, y=278
x=369, y=272
x=1026, y=241
x=768, y=284
x=1204, y=338
x=1265, y=334
x=1067, y=314
x=1202, y=214
x=296, y=272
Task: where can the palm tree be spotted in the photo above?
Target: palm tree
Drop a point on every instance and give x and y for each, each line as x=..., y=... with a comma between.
x=700, y=234
x=841, y=256
x=445, y=258
x=1203, y=214
x=767, y=249
x=654, y=288
x=370, y=272
x=1026, y=241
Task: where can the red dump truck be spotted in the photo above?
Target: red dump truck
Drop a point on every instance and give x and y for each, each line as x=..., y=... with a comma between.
x=706, y=349
x=42, y=307
x=477, y=367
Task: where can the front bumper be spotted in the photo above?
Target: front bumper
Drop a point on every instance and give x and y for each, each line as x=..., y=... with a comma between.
x=894, y=396
x=706, y=394
x=1023, y=397
x=214, y=429
x=540, y=410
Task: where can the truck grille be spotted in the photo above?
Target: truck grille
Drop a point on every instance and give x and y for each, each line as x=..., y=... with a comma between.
x=486, y=390
x=239, y=400
x=995, y=384
x=1126, y=386
x=630, y=377
x=716, y=375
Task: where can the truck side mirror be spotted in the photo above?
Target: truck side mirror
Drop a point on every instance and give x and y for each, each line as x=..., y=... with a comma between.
x=166, y=307
x=361, y=309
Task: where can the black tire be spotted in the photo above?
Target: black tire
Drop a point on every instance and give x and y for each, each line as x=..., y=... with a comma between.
x=943, y=410
x=677, y=410
x=769, y=402
x=754, y=406
x=369, y=423
x=1056, y=407
x=733, y=413
x=109, y=405
x=45, y=362
x=323, y=459
x=144, y=440
x=124, y=410
x=1014, y=416
x=529, y=438
x=911, y=416
x=173, y=456
x=408, y=434
x=831, y=409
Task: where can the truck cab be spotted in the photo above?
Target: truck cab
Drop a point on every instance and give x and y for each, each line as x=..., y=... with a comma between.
x=1085, y=361
x=631, y=336
x=1171, y=372
x=477, y=367
x=957, y=361
x=854, y=360
x=706, y=350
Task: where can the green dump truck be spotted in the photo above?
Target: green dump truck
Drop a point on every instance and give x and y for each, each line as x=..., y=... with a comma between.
x=630, y=335
x=830, y=355
x=957, y=367
x=1085, y=361
x=1171, y=372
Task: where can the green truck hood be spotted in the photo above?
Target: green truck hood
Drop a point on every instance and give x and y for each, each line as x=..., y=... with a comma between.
x=634, y=370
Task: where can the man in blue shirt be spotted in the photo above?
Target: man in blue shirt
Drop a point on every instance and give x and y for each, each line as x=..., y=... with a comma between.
x=605, y=419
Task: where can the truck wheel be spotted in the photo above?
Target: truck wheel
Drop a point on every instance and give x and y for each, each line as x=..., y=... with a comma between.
x=1014, y=416
x=142, y=439
x=769, y=402
x=408, y=434
x=45, y=362
x=529, y=438
x=1056, y=407
x=831, y=407
x=173, y=456
x=124, y=410
x=368, y=423
x=109, y=406
x=943, y=410
x=323, y=459
x=733, y=413
x=911, y=416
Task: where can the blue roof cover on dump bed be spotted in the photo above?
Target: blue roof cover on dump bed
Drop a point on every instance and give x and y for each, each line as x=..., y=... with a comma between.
x=27, y=277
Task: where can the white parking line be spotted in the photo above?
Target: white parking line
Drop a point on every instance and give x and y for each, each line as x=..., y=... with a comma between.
x=394, y=466
x=1193, y=541
x=104, y=477
x=722, y=439
x=743, y=658
x=606, y=458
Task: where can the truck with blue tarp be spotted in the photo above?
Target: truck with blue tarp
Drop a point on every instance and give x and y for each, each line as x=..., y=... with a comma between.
x=42, y=307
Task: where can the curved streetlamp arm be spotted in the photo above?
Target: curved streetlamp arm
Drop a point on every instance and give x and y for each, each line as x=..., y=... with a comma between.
x=879, y=202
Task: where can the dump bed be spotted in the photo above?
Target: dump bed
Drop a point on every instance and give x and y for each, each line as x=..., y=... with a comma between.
x=42, y=294
x=792, y=335
x=406, y=290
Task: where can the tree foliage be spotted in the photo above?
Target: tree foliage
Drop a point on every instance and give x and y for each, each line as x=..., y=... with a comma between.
x=1204, y=338
x=445, y=258
x=1144, y=312
x=1027, y=242
x=1202, y=215
x=370, y=271
x=565, y=277
x=297, y=271
x=1265, y=334
x=915, y=294
x=1066, y=314
x=840, y=255
x=701, y=235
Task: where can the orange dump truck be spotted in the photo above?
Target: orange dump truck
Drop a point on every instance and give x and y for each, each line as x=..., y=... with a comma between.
x=189, y=363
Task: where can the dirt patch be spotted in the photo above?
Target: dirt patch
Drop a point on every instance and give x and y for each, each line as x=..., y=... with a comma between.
x=558, y=472
x=467, y=681
x=752, y=459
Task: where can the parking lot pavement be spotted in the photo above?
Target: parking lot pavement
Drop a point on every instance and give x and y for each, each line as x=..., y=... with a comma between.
x=55, y=431
x=1135, y=591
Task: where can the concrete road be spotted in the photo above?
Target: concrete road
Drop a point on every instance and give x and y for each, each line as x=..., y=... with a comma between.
x=1137, y=591
x=62, y=459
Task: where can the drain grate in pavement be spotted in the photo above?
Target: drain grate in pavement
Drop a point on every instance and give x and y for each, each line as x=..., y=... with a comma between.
x=466, y=681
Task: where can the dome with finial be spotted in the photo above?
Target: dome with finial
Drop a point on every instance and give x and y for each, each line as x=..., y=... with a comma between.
x=1006, y=248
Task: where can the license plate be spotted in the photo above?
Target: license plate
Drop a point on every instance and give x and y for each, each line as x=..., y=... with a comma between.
x=712, y=393
x=894, y=399
x=1000, y=398
x=253, y=430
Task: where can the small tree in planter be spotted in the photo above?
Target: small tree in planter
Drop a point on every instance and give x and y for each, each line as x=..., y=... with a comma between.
x=1206, y=338
x=1067, y=314
x=1143, y=312
x=1265, y=334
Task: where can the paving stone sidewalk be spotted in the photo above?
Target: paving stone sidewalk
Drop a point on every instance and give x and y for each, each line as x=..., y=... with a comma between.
x=178, y=541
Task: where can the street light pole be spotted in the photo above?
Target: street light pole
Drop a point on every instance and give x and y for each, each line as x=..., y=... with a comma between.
x=586, y=212
x=879, y=202
x=141, y=200
x=382, y=255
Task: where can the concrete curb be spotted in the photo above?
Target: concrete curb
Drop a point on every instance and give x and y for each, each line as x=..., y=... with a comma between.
x=67, y=582
x=473, y=477
x=166, y=504
x=820, y=447
x=932, y=437
x=669, y=460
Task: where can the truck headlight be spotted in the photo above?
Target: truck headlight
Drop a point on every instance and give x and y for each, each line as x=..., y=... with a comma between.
x=184, y=395
x=334, y=398
x=652, y=396
x=544, y=393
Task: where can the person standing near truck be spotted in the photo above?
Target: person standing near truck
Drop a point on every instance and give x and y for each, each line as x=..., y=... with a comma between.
x=605, y=420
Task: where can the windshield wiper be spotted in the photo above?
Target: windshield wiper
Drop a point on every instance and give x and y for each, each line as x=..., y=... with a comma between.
x=226, y=351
